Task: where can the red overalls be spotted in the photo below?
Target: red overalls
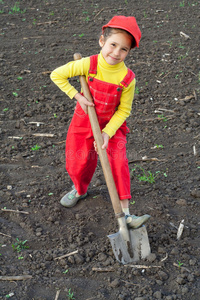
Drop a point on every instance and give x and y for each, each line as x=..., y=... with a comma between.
x=81, y=158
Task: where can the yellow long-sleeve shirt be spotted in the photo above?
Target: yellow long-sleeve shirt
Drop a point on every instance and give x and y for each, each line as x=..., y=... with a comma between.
x=105, y=72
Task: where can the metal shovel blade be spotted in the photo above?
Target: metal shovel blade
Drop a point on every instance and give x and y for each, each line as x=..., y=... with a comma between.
x=139, y=244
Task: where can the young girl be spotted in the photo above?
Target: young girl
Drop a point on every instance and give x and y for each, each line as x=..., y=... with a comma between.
x=112, y=87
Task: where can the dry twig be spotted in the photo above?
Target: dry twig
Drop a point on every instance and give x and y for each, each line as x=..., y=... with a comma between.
x=184, y=268
x=15, y=137
x=145, y=158
x=57, y=294
x=12, y=278
x=15, y=211
x=5, y=235
x=48, y=22
x=163, y=259
x=66, y=255
x=142, y=266
x=180, y=230
x=103, y=269
x=43, y=134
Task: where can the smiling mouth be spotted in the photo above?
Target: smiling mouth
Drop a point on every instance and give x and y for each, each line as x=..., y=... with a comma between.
x=114, y=58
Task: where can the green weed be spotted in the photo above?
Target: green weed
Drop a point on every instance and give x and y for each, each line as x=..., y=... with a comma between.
x=181, y=46
x=15, y=94
x=179, y=263
x=162, y=117
x=16, y=9
x=70, y=295
x=19, y=245
x=146, y=176
x=132, y=202
x=137, y=90
x=170, y=43
x=158, y=146
x=35, y=148
x=6, y=109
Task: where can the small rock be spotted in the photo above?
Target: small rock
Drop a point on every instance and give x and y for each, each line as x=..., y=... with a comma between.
x=159, y=282
x=180, y=280
x=17, y=125
x=77, y=216
x=161, y=250
x=48, y=257
x=181, y=202
x=169, y=297
x=184, y=290
x=190, y=277
x=38, y=233
x=102, y=257
x=98, y=183
x=197, y=273
x=115, y=283
x=157, y=295
x=195, y=193
x=175, y=251
x=151, y=257
x=162, y=275
x=79, y=259
x=192, y=262
x=71, y=259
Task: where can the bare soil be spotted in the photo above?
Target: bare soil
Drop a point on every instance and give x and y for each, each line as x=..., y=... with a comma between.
x=165, y=124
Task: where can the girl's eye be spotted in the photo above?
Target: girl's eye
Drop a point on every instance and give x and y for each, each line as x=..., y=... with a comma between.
x=125, y=50
x=113, y=44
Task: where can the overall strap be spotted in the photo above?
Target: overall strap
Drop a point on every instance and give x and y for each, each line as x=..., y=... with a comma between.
x=93, y=64
x=128, y=78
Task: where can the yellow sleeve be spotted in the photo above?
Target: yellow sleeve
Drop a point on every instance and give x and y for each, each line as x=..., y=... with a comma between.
x=123, y=111
x=61, y=75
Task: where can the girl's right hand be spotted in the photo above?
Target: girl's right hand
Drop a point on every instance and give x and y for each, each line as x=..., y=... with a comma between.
x=84, y=103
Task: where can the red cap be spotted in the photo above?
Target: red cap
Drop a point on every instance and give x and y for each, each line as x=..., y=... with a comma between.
x=126, y=23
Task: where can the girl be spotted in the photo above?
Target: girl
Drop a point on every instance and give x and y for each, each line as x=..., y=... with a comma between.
x=112, y=87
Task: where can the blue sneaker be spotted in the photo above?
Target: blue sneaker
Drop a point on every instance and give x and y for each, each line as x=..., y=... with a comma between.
x=70, y=199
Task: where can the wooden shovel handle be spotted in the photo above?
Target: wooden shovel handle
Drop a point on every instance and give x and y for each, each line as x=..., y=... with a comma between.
x=102, y=152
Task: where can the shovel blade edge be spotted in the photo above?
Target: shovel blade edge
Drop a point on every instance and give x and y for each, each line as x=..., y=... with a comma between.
x=139, y=244
x=119, y=248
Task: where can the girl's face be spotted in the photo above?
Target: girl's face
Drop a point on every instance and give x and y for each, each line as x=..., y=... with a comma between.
x=115, y=47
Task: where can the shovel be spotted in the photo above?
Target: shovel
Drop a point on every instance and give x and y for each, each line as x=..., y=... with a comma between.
x=129, y=245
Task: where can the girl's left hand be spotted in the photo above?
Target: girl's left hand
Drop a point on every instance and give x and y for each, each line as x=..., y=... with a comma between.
x=106, y=138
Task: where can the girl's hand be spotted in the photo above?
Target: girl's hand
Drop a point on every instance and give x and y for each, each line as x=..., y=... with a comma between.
x=106, y=138
x=84, y=103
